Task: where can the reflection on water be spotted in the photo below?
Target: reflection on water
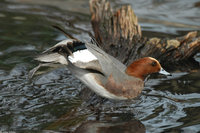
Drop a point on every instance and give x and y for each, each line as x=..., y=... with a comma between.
x=54, y=100
x=127, y=127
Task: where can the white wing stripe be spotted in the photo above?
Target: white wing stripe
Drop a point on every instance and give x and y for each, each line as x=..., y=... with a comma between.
x=82, y=56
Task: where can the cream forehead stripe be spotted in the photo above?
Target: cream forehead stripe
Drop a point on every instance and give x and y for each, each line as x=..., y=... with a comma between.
x=82, y=56
x=152, y=59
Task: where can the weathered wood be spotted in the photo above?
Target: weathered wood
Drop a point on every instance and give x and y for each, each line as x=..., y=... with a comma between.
x=119, y=34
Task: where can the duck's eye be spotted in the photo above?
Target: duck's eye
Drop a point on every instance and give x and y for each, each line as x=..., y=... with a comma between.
x=154, y=63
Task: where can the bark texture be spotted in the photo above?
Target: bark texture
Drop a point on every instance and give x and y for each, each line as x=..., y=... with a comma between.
x=120, y=35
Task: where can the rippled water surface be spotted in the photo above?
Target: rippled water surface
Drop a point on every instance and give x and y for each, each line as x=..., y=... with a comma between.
x=56, y=101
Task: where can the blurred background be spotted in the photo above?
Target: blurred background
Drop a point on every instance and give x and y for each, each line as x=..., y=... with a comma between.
x=54, y=101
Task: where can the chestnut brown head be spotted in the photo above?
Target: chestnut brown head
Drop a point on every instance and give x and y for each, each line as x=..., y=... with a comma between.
x=145, y=66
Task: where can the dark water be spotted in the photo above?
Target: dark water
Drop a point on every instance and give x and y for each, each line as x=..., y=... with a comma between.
x=54, y=100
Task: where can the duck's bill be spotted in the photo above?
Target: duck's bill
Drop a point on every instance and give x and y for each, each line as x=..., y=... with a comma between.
x=162, y=71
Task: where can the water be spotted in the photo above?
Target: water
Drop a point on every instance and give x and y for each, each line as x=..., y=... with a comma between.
x=55, y=100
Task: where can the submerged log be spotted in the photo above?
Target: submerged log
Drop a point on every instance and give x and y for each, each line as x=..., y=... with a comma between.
x=120, y=35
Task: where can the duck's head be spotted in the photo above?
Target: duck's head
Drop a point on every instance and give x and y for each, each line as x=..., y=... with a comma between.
x=144, y=67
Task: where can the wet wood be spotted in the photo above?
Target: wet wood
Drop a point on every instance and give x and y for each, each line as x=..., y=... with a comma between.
x=120, y=35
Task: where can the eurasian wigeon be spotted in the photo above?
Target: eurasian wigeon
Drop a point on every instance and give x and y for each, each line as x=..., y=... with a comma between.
x=101, y=72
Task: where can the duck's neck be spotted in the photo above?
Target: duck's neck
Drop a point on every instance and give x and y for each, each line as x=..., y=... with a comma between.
x=137, y=75
x=135, y=71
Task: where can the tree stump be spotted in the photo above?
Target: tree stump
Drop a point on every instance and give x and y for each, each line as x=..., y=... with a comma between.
x=120, y=35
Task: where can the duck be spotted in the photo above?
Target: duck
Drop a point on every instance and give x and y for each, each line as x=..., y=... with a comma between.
x=99, y=71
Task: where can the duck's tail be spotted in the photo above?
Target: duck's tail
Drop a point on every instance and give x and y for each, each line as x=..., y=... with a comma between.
x=64, y=32
x=63, y=52
x=57, y=54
